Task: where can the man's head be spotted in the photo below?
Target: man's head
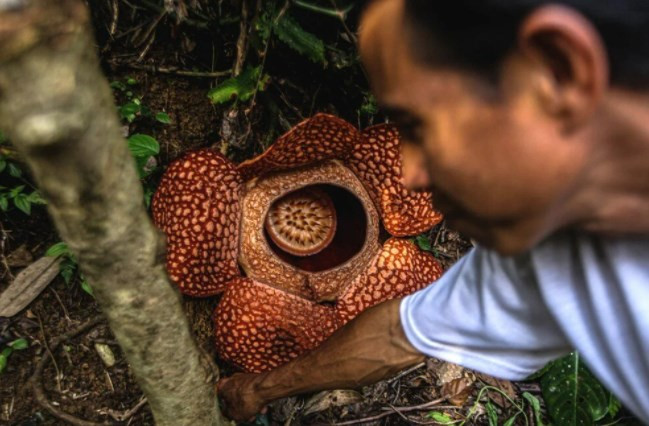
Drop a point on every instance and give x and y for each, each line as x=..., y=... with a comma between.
x=503, y=99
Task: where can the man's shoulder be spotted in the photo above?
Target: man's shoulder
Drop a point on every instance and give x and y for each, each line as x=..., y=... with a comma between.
x=578, y=254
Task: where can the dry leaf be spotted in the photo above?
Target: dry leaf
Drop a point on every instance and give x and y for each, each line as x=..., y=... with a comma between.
x=458, y=391
x=28, y=284
x=324, y=400
x=20, y=257
x=446, y=372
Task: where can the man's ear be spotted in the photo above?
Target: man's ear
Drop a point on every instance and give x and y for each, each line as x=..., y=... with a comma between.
x=570, y=49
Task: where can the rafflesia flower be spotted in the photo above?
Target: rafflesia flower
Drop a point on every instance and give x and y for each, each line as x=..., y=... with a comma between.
x=299, y=239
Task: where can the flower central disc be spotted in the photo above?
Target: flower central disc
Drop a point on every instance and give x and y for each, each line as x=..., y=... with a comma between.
x=303, y=222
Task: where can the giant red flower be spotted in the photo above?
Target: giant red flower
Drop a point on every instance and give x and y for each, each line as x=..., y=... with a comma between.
x=296, y=237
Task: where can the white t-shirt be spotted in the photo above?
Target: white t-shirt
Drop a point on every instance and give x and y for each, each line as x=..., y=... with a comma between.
x=509, y=316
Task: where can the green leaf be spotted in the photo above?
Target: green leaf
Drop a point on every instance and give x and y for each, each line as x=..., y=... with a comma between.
x=117, y=85
x=614, y=405
x=3, y=164
x=536, y=407
x=294, y=36
x=35, y=198
x=143, y=145
x=67, y=269
x=19, y=344
x=241, y=87
x=572, y=394
x=21, y=201
x=58, y=249
x=423, y=242
x=3, y=361
x=13, y=193
x=14, y=170
x=86, y=287
x=129, y=110
x=510, y=421
x=369, y=106
x=163, y=117
x=4, y=203
x=440, y=417
x=492, y=414
x=131, y=81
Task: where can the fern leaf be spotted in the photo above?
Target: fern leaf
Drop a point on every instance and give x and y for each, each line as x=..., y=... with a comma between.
x=241, y=87
x=294, y=36
x=572, y=394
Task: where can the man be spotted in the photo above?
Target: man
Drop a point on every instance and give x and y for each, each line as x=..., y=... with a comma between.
x=533, y=119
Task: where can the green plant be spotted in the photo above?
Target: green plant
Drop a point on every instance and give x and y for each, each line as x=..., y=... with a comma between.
x=69, y=267
x=573, y=395
x=143, y=147
x=133, y=108
x=16, y=345
x=16, y=195
x=241, y=87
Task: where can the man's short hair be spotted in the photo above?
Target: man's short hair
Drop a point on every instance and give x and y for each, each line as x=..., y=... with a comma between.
x=476, y=35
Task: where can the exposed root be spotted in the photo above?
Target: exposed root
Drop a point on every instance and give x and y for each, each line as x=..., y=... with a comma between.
x=37, y=385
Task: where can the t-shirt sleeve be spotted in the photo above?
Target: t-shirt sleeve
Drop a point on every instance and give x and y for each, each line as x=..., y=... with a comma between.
x=487, y=314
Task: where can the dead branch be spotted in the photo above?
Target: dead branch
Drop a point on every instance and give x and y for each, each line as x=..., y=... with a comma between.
x=57, y=109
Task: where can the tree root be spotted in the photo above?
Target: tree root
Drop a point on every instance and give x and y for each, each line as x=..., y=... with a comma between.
x=37, y=385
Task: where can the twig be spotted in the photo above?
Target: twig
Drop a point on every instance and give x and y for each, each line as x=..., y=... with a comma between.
x=3, y=258
x=65, y=311
x=173, y=70
x=122, y=416
x=394, y=410
x=424, y=406
x=37, y=385
x=113, y=24
x=335, y=13
x=342, y=17
x=406, y=372
x=242, y=41
x=146, y=48
x=49, y=351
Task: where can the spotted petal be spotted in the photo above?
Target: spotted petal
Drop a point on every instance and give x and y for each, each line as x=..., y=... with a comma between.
x=197, y=207
x=259, y=327
x=376, y=160
x=321, y=137
x=399, y=269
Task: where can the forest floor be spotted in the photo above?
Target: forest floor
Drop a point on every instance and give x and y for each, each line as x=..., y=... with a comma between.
x=75, y=379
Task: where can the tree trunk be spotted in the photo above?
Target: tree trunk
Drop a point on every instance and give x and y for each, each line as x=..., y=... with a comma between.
x=57, y=109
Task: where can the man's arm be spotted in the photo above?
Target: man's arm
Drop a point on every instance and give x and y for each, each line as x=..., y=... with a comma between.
x=371, y=347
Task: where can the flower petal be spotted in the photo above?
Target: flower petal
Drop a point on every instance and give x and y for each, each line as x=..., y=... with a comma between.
x=259, y=327
x=399, y=269
x=321, y=137
x=197, y=207
x=376, y=160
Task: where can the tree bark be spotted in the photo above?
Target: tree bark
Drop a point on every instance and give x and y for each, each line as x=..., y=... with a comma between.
x=57, y=109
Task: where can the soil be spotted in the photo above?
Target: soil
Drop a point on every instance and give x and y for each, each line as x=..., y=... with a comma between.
x=79, y=382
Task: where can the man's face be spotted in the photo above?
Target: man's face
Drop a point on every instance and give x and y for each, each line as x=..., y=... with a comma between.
x=498, y=166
